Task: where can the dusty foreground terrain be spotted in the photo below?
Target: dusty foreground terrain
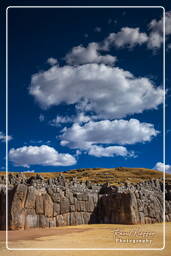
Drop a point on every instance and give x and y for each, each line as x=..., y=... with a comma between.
x=85, y=236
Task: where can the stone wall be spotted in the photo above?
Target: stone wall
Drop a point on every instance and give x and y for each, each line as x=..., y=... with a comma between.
x=36, y=202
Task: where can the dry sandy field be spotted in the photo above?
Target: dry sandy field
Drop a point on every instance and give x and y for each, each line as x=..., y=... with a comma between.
x=104, y=236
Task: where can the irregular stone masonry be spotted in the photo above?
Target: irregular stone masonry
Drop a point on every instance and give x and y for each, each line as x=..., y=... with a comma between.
x=36, y=202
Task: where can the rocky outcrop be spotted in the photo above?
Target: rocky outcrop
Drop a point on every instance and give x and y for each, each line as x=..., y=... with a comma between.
x=38, y=202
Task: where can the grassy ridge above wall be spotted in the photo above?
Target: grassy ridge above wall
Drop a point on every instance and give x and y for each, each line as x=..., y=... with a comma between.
x=102, y=175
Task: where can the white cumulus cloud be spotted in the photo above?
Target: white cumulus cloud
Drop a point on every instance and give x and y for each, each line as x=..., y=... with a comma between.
x=100, y=151
x=97, y=29
x=52, y=61
x=92, y=136
x=154, y=41
x=79, y=118
x=41, y=117
x=156, y=35
x=3, y=137
x=161, y=167
x=90, y=54
x=157, y=25
x=129, y=37
x=39, y=155
x=58, y=120
x=82, y=118
x=109, y=92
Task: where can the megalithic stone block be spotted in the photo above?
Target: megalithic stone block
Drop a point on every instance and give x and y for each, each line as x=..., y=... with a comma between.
x=36, y=202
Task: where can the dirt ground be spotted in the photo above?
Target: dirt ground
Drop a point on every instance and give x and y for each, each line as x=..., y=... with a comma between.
x=105, y=236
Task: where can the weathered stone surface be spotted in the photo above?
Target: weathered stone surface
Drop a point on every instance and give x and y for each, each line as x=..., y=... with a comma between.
x=31, y=198
x=66, y=219
x=59, y=220
x=64, y=205
x=52, y=222
x=82, y=196
x=80, y=206
x=87, y=217
x=3, y=207
x=72, y=208
x=79, y=218
x=56, y=209
x=43, y=221
x=141, y=216
x=48, y=205
x=89, y=204
x=115, y=209
x=30, y=212
x=18, y=220
x=20, y=196
x=17, y=207
x=35, y=202
x=70, y=196
x=31, y=221
x=56, y=197
x=134, y=208
x=73, y=218
x=39, y=205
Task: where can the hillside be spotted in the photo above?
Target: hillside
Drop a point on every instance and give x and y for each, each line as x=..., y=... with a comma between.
x=113, y=176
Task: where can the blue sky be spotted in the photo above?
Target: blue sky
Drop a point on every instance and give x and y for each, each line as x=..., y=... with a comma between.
x=85, y=88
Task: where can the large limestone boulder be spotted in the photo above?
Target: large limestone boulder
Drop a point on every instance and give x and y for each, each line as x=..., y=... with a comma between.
x=48, y=205
x=36, y=202
x=17, y=207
